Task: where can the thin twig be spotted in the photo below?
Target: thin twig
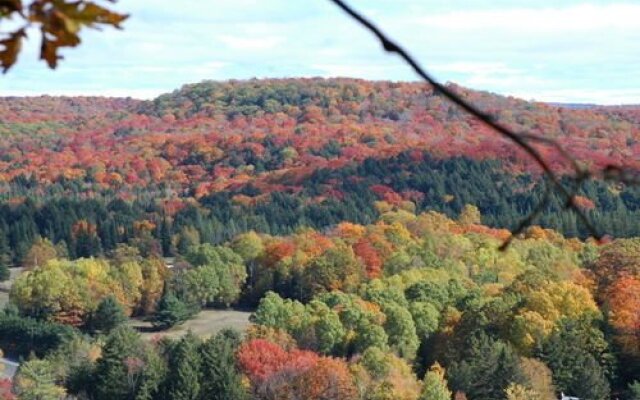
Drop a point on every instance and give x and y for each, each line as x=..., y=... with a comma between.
x=521, y=140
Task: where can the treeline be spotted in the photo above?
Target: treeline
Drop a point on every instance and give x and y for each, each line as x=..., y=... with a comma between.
x=410, y=307
x=326, y=197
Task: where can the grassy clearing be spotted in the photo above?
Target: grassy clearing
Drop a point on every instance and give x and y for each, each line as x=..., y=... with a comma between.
x=204, y=324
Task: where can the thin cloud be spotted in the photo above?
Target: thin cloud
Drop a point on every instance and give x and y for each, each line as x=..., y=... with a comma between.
x=475, y=68
x=577, y=18
x=545, y=49
x=251, y=43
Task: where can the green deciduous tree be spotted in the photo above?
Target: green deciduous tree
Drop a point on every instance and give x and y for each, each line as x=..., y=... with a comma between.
x=217, y=277
x=401, y=329
x=426, y=318
x=336, y=269
x=321, y=330
x=276, y=312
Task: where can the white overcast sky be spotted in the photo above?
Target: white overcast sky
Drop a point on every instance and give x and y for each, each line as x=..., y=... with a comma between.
x=569, y=51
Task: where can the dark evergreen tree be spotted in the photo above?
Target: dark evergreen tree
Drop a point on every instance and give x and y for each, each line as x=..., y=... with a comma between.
x=487, y=369
x=86, y=245
x=221, y=379
x=183, y=377
x=171, y=311
x=5, y=250
x=577, y=355
x=108, y=316
x=20, y=336
x=119, y=368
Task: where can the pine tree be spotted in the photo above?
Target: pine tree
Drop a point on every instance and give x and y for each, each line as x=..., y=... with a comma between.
x=183, y=380
x=171, y=311
x=590, y=381
x=87, y=244
x=221, y=379
x=487, y=370
x=108, y=315
x=118, y=366
x=570, y=352
x=5, y=250
x=37, y=380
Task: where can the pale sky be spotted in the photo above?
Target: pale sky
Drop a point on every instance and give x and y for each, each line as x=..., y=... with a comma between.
x=566, y=51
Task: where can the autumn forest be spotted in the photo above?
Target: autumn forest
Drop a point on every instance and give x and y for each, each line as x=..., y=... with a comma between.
x=357, y=223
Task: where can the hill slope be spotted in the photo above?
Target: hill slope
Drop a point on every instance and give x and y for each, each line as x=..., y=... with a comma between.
x=213, y=135
x=273, y=155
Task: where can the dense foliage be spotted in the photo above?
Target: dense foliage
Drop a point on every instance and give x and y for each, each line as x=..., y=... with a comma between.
x=226, y=157
x=411, y=306
x=357, y=193
x=359, y=221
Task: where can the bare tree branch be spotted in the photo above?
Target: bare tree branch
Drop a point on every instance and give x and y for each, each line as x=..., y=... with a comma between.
x=522, y=140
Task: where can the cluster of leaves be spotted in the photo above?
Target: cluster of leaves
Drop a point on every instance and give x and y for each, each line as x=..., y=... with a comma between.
x=59, y=23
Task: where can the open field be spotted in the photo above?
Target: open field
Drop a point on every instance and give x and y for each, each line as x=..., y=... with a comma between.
x=204, y=324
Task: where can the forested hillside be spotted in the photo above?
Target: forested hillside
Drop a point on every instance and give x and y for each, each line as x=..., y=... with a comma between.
x=360, y=224
x=274, y=155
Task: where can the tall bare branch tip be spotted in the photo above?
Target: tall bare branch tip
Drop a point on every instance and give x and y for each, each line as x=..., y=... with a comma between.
x=521, y=140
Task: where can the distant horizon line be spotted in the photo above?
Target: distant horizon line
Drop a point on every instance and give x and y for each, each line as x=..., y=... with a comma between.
x=151, y=94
